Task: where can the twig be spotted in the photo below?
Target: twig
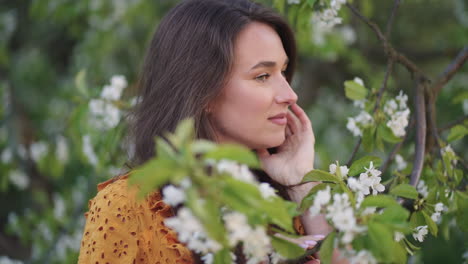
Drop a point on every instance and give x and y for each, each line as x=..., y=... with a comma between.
x=371, y=24
x=355, y=150
x=392, y=18
x=389, y=50
x=420, y=131
x=450, y=71
x=453, y=123
x=384, y=84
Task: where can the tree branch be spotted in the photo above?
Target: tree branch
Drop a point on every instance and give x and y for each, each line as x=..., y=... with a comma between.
x=355, y=150
x=420, y=130
x=391, y=19
x=384, y=84
x=450, y=71
x=389, y=50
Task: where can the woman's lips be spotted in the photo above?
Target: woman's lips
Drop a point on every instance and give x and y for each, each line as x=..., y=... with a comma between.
x=279, y=120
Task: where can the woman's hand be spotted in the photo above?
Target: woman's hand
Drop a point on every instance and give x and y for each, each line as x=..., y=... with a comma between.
x=295, y=157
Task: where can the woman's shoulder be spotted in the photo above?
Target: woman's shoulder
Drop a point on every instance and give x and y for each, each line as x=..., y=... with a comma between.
x=121, y=227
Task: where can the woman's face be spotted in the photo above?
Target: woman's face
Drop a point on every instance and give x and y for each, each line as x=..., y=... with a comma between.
x=256, y=91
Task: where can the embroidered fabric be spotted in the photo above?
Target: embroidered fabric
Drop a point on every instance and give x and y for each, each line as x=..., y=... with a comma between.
x=120, y=228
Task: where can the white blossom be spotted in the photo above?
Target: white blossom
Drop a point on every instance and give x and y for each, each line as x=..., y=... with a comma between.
x=257, y=245
x=422, y=188
x=400, y=162
x=238, y=171
x=398, y=122
x=191, y=232
x=363, y=257
x=7, y=156
x=322, y=198
x=420, y=233
x=208, y=258
x=292, y=2
x=349, y=35
x=369, y=210
x=8, y=260
x=398, y=113
x=45, y=232
x=38, y=150
x=266, y=190
x=19, y=179
x=62, y=149
x=89, y=151
x=114, y=90
x=360, y=103
x=173, y=195
x=402, y=100
x=59, y=206
x=103, y=115
x=358, y=81
x=439, y=207
x=237, y=226
x=390, y=107
x=342, y=216
x=352, y=126
x=343, y=170
x=398, y=236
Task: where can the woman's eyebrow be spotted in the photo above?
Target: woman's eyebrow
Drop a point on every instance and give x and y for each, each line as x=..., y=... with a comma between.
x=267, y=64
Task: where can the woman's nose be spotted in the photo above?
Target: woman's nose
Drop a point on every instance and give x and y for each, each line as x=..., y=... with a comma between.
x=286, y=94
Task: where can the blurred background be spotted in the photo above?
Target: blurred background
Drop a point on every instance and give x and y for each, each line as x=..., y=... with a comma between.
x=59, y=137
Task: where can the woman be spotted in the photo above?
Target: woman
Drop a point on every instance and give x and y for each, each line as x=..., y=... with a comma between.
x=228, y=64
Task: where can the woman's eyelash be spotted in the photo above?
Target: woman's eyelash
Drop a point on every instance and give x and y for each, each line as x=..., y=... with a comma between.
x=262, y=77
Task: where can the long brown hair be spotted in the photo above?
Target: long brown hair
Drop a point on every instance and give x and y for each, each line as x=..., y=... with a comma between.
x=187, y=65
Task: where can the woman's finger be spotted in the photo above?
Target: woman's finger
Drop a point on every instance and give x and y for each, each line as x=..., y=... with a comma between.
x=301, y=115
x=288, y=131
x=293, y=122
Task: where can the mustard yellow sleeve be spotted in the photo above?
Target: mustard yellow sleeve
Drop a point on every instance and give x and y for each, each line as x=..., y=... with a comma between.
x=123, y=229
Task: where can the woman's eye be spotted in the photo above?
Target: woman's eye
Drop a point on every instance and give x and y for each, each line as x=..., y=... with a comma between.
x=262, y=77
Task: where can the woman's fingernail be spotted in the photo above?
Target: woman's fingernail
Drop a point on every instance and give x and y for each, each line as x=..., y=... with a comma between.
x=310, y=242
x=304, y=246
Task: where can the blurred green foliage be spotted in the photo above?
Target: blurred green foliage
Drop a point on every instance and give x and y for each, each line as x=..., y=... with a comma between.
x=56, y=55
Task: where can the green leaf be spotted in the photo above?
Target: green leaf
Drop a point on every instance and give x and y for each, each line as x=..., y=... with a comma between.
x=359, y=165
x=417, y=219
x=380, y=201
x=326, y=250
x=80, y=83
x=387, y=134
x=285, y=248
x=311, y=3
x=223, y=256
x=155, y=173
x=368, y=138
x=320, y=176
x=430, y=223
x=234, y=152
x=164, y=150
x=460, y=97
x=382, y=241
x=354, y=90
x=405, y=190
x=202, y=146
x=395, y=215
x=457, y=132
